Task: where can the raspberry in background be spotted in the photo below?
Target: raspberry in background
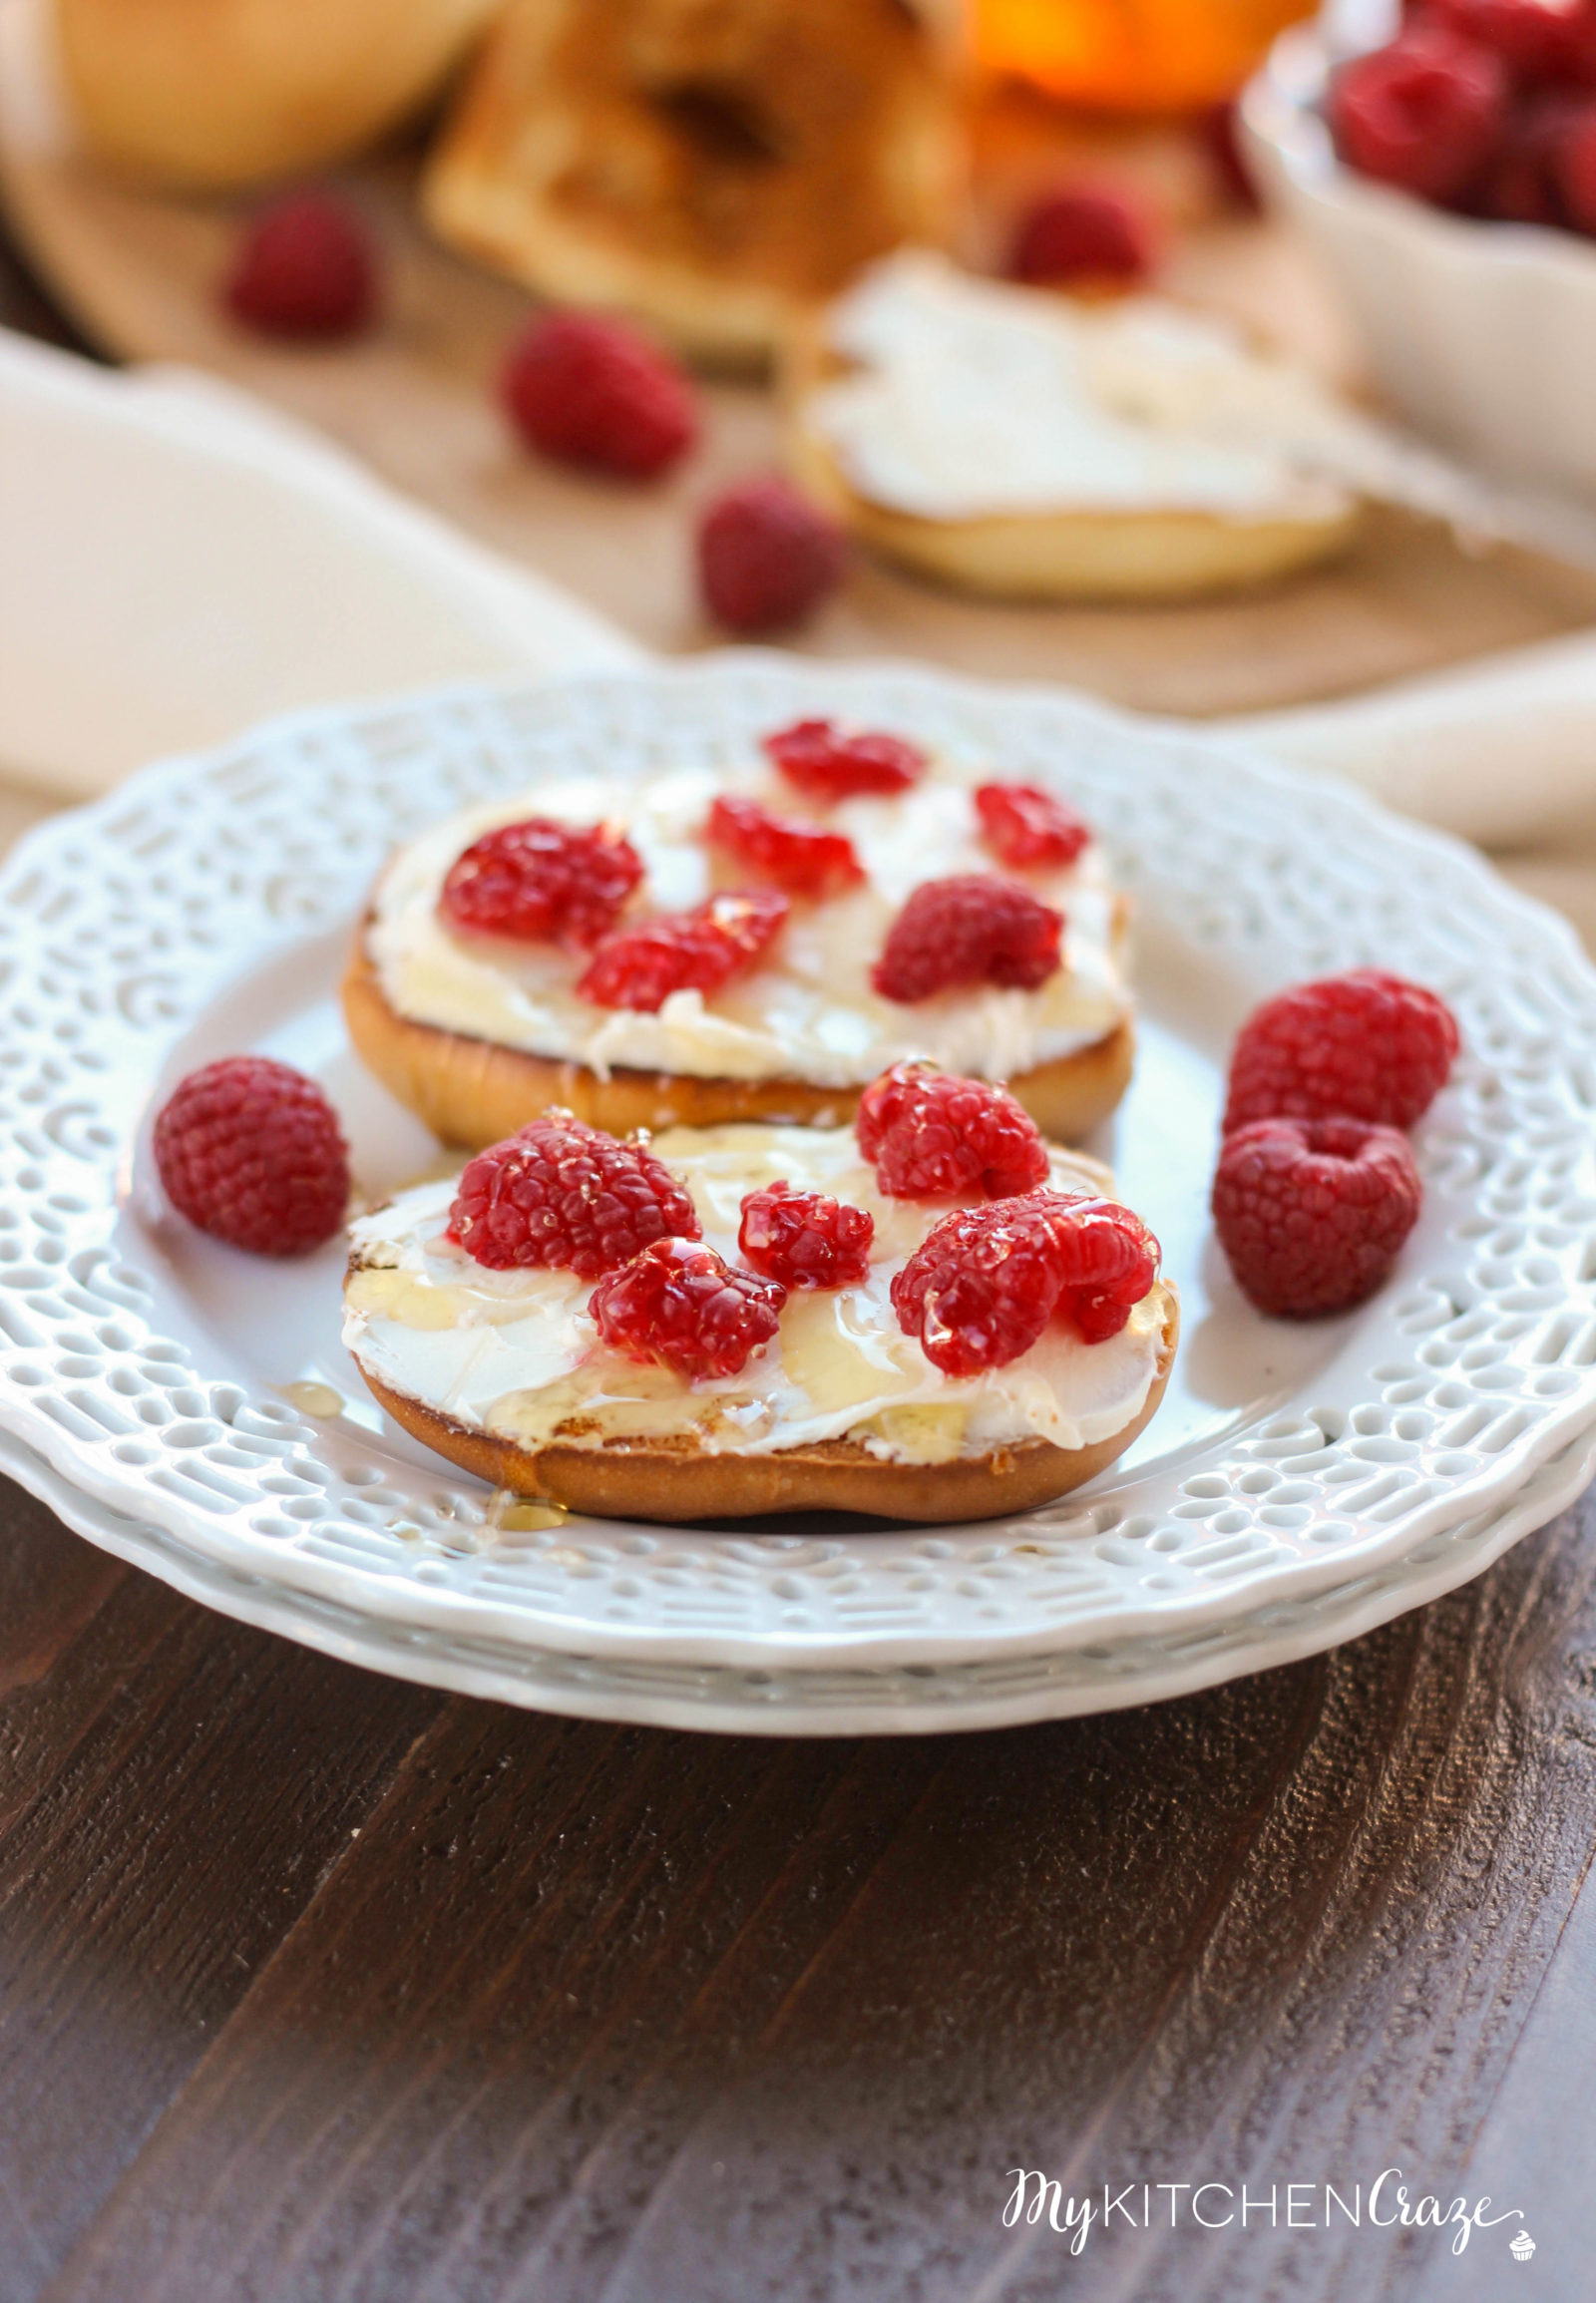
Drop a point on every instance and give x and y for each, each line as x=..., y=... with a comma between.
x=541, y=882
x=591, y=391
x=1082, y=232
x=766, y=555
x=805, y=1239
x=1366, y=1045
x=804, y=859
x=306, y=267
x=1028, y=829
x=699, y=950
x=681, y=1305
x=1574, y=168
x=1424, y=114
x=830, y=764
x=561, y=1196
x=984, y=1283
x=928, y=1132
x=1311, y=1213
x=1551, y=41
x=251, y=1151
x=970, y=929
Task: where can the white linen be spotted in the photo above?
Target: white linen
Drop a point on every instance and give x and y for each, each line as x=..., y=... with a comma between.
x=178, y=559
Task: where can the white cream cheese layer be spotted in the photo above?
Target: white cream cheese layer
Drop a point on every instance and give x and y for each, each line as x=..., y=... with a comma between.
x=972, y=397
x=516, y=1353
x=808, y=1011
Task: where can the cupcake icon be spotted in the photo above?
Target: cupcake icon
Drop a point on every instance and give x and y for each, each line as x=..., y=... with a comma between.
x=1522, y=2247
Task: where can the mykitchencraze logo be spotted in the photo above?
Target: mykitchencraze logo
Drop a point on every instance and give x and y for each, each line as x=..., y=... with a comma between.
x=1388, y=2202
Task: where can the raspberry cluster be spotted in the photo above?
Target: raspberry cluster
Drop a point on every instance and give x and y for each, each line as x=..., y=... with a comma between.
x=970, y=929
x=306, y=268
x=830, y=763
x=541, y=882
x=930, y=1133
x=805, y=1239
x=1084, y=234
x=698, y=951
x=591, y=391
x=251, y=1151
x=564, y=1196
x=986, y=1282
x=680, y=1304
x=1485, y=106
x=804, y=859
x=1316, y=1187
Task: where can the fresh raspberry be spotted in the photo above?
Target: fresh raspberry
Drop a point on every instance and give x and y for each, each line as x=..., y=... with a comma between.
x=1082, y=232
x=591, y=391
x=1026, y=828
x=804, y=1238
x=927, y=1133
x=1425, y=113
x=251, y=1151
x=683, y=1305
x=1312, y=1212
x=802, y=858
x=1544, y=40
x=305, y=267
x=970, y=929
x=639, y=967
x=766, y=555
x=984, y=1283
x=1362, y=1046
x=566, y=1197
x=827, y=764
x=541, y=882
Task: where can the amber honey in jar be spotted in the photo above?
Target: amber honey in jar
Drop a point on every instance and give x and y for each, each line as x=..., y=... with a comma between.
x=1132, y=55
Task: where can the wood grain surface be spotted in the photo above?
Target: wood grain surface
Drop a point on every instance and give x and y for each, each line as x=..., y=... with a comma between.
x=319, y=1987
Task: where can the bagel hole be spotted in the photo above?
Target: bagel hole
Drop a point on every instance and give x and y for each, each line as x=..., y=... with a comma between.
x=723, y=124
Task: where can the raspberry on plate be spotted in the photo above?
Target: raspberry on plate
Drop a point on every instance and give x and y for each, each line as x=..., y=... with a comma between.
x=541, y=882
x=1312, y=1212
x=305, y=267
x=805, y=1239
x=565, y=1195
x=970, y=929
x=766, y=555
x=1082, y=232
x=681, y=1305
x=699, y=950
x=984, y=1283
x=1425, y=113
x=1025, y=827
x=591, y=391
x=251, y=1151
x=927, y=1133
x=827, y=764
x=804, y=859
x=1367, y=1046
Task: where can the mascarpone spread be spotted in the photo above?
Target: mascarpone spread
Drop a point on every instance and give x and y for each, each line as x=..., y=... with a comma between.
x=517, y=1353
x=973, y=397
x=807, y=1012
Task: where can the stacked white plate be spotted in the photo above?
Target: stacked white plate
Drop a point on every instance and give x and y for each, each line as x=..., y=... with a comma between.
x=169, y=1397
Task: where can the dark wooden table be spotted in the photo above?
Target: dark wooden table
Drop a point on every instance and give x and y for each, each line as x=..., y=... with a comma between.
x=314, y=1986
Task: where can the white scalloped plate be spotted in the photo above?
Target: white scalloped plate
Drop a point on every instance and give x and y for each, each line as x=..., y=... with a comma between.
x=206, y=906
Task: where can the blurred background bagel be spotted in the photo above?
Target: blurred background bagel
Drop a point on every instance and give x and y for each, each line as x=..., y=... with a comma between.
x=234, y=91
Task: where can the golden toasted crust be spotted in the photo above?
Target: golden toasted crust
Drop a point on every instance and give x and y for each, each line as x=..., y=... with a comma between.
x=224, y=92
x=675, y=1480
x=1057, y=555
x=713, y=168
x=475, y=1092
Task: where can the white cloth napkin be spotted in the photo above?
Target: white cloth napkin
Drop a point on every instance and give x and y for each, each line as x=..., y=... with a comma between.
x=178, y=561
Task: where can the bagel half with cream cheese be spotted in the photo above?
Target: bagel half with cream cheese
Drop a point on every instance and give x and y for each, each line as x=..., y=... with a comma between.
x=1012, y=441
x=477, y=1034
x=503, y=1373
